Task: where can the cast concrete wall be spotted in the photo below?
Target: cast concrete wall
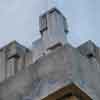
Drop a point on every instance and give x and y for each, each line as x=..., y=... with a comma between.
x=52, y=72
x=2, y=65
x=53, y=28
x=13, y=58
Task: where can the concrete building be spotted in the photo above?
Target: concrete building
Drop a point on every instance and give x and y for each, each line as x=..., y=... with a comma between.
x=59, y=71
x=53, y=30
x=13, y=58
x=90, y=50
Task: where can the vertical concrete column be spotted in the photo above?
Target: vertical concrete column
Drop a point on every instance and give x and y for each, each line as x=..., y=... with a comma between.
x=53, y=28
x=11, y=67
x=2, y=65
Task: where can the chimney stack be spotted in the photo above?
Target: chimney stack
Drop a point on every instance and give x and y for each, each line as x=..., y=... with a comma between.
x=53, y=28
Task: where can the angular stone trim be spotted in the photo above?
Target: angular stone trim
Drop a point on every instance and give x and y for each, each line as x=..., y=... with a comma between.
x=68, y=91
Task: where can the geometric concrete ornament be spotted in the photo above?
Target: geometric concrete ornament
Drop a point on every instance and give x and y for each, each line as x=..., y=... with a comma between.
x=69, y=92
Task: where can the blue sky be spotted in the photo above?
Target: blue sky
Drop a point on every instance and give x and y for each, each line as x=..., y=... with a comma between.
x=19, y=20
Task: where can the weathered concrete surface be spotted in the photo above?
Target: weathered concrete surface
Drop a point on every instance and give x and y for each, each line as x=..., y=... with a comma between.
x=13, y=58
x=89, y=49
x=51, y=72
x=53, y=30
x=37, y=49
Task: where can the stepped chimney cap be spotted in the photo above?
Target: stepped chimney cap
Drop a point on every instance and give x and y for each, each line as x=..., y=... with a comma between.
x=52, y=10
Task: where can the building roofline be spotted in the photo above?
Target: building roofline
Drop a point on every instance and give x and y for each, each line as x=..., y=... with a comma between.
x=52, y=10
x=87, y=42
x=13, y=42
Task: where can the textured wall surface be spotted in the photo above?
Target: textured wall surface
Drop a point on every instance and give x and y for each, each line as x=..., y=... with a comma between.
x=53, y=28
x=2, y=65
x=13, y=58
x=37, y=49
x=51, y=72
